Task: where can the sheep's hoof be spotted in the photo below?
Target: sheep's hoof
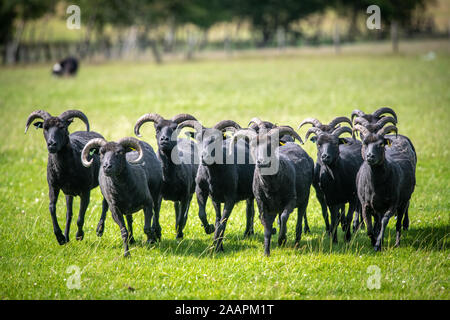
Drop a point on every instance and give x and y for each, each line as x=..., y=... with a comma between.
x=210, y=229
x=126, y=254
x=248, y=233
x=377, y=248
x=306, y=230
x=282, y=242
x=131, y=240
x=80, y=235
x=274, y=230
x=60, y=238
x=180, y=236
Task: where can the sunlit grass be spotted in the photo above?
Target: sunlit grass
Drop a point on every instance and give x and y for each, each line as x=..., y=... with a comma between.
x=283, y=90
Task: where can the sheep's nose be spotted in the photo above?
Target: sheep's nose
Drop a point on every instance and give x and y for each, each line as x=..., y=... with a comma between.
x=164, y=139
x=325, y=157
x=51, y=143
x=107, y=166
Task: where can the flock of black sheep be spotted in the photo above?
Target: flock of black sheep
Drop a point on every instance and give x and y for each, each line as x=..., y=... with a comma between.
x=374, y=174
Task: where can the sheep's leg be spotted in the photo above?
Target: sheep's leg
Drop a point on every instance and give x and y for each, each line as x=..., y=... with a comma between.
x=176, y=206
x=202, y=197
x=182, y=216
x=130, y=227
x=334, y=210
x=69, y=214
x=250, y=212
x=53, y=194
x=118, y=218
x=156, y=227
x=384, y=223
x=267, y=221
x=406, y=218
x=84, y=202
x=148, y=229
x=220, y=230
x=401, y=211
x=307, y=229
x=368, y=220
x=301, y=212
x=101, y=222
x=218, y=208
x=284, y=216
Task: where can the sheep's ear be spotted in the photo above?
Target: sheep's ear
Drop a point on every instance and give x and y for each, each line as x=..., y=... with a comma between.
x=343, y=141
x=313, y=139
x=39, y=125
x=387, y=142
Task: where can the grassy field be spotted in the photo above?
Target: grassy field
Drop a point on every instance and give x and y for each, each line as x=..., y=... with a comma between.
x=281, y=89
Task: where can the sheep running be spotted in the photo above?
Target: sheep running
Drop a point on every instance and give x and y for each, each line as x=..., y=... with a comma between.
x=281, y=191
x=129, y=181
x=178, y=177
x=64, y=169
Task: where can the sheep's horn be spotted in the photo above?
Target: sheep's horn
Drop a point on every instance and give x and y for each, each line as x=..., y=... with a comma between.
x=283, y=130
x=358, y=113
x=92, y=144
x=361, y=121
x=379, y=112
x=361, y=129
x=338, y=120
x=314, y=130
x=38, y=114
x=182, y=117
x=134, y=143
x=383, y=121
x=70, y=114
x=256, y=121
x=385, y=130
x=190, y=124
x=222, y=125
x=338, y=131
x=149, y=117
x=316, y=123
x=242, y=133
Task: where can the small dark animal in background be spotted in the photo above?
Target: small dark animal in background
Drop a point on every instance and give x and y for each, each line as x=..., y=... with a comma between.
x=129, y=180
x=66, y=67
x=64, y=168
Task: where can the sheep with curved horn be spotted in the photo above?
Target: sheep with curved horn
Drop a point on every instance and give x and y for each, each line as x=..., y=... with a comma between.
x=225, y=177
x=64, y=169
x=338, y=161
x=386, y=180
x=130, y=180
x=179, y=166
x=281, y=181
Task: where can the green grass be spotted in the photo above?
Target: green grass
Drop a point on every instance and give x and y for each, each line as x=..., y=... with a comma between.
x=284, y=90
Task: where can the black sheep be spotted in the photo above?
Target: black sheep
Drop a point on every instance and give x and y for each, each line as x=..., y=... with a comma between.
x=226, y=177
x=282, y=179
x=317, y=167
x=129, y=180
x=64, y=169
x=179, y=168
x=339, y=160
x=385, y=181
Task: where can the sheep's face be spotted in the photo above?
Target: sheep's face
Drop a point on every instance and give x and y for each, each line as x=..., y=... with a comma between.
x=264, y=151
x=328, y=148
x=112, y=158
x=164, y=135
x=56, y=133
x=373, y=149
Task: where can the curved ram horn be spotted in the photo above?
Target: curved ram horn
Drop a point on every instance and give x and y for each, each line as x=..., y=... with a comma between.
x=285, y=130
x=69, y=114
x=221, y=125
x=314, y=130
x=383, y=121
x=338, y=120
x=149, y=117
x=316, y=123
x=338, y=131
x=361, y=129
x=361, y=121
x=93, y=143
x=377, y=113
x=190, y=124
x=385, y=130
x=38, y=114
x=130, y=142
x=358, y=113
x=182, y=117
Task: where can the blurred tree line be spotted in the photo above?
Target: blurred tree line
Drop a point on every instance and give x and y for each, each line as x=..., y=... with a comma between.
x=265, y=17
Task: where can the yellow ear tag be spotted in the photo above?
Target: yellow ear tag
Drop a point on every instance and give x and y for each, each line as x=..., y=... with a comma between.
x=389, y=143
x=282, y=143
